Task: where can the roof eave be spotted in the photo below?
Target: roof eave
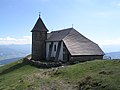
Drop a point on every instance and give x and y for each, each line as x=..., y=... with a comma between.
x=53, y=40
x=87, y=55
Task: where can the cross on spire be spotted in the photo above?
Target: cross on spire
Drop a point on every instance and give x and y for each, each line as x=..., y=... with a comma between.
x=39, y=14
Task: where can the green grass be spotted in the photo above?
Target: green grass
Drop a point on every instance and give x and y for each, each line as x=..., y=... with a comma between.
x=90, y=75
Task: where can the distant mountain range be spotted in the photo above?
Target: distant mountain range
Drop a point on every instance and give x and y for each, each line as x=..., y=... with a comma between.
x=113, y=55
x=112, y=51
x=6, y=61
x=14, y=51
x=11, y=53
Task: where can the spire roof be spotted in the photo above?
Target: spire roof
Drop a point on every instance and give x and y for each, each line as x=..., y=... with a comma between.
x=39, y=26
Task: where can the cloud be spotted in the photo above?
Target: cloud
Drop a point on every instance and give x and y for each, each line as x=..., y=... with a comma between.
x=110, y=42
x=10, y=40
x=7, y=39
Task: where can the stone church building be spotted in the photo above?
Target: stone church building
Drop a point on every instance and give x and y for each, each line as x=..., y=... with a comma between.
x=62, y=45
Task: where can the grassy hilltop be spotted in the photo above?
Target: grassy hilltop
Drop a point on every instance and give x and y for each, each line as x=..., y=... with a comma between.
x=90, y=75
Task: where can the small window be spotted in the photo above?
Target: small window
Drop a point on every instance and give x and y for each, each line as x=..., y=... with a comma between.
x=54, y=47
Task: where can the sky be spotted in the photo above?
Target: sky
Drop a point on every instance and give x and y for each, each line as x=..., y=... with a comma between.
x=98, y=20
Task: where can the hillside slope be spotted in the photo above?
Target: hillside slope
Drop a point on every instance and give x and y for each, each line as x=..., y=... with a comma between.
x=92, y=75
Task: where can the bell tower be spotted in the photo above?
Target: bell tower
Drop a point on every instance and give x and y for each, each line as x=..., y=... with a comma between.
x=39, y=35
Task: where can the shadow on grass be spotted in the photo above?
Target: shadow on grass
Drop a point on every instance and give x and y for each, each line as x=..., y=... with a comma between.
x=12, y=68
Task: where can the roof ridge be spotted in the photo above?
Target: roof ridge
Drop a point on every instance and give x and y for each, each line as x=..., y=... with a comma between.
x=59, y=35
x=61, y=30
x=69, y=32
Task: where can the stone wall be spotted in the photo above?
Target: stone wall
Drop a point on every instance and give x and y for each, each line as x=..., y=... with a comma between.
x=41, y=64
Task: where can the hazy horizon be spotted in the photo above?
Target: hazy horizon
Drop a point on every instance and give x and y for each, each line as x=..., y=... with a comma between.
x=105, y=48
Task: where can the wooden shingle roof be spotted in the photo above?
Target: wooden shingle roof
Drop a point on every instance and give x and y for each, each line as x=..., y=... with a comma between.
x=58, y=35
x=76, y=43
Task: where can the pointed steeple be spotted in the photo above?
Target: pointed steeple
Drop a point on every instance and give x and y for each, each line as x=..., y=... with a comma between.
x=39, y=26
